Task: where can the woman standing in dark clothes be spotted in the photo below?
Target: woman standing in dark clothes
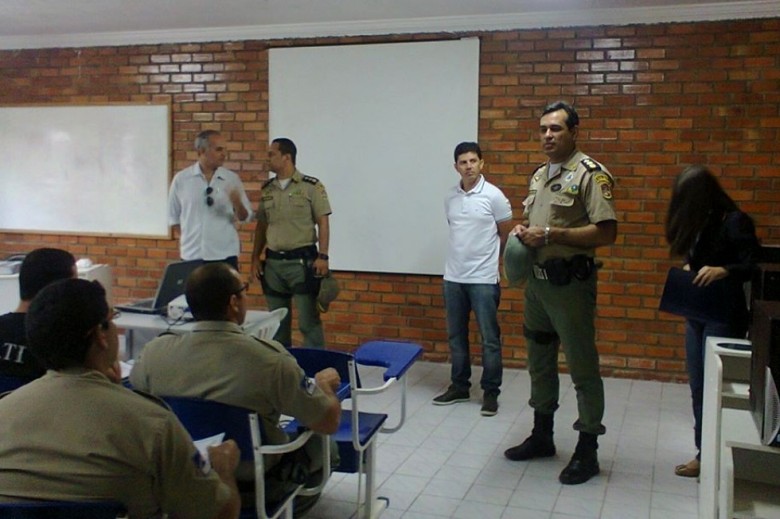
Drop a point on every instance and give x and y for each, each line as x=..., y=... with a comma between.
x=717, y=241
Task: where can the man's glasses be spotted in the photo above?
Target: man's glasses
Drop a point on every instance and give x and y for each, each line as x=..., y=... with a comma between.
x=114, y=314
x=209, y=200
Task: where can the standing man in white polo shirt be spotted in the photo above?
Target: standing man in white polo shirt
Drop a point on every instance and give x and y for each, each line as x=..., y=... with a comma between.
x=480, y=218
x=205, y=202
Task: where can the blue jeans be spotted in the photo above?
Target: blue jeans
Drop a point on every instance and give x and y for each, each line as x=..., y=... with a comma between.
x=696, y=333
x=460, y=299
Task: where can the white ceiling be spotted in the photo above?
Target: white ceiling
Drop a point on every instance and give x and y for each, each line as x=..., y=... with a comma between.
x=80, y=23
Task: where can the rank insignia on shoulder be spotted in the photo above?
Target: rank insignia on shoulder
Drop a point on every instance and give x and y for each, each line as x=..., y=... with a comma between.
x=591, y=165
x=310, y=180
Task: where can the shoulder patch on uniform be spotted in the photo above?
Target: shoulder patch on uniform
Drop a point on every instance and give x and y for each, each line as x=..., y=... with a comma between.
x=602, y=179
x=310, y=180
x=308, y=384
x=201, y=463
x=591, y=165
x=267, y=183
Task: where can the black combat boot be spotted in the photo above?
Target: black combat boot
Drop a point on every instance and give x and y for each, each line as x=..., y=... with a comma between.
x=539, y=444
x=584, y=463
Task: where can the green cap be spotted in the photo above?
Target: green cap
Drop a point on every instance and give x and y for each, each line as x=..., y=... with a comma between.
x=518, y=261
x=329, y=291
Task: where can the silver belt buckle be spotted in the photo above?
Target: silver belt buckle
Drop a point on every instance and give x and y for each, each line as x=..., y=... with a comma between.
x=539, y=272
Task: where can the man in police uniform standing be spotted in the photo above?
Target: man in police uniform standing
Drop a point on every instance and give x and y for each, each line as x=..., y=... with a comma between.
x=292, y=221
x=569, y=213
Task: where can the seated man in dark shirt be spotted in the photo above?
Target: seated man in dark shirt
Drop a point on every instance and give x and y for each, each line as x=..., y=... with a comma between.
x=39, y=268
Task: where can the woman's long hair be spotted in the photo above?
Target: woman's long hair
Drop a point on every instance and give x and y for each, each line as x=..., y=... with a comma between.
x=697, y=198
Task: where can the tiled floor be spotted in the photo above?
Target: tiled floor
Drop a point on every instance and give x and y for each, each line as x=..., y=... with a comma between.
x=447, y=461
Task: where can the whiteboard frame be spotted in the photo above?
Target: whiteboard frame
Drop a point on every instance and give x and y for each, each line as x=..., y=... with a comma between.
x=132, y=142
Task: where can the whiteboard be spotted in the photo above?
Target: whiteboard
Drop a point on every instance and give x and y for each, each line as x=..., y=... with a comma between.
x=96, y=169
x=378, y=125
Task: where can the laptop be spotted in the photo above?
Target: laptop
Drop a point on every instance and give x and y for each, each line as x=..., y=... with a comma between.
x=682, y=297
x=171, y=286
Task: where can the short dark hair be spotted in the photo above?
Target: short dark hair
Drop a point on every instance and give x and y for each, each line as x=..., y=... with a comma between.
x=467, y=147
x=572, y=119
x=202, y=140
x=208, y=291
x=42, y=267
x=286, y=147
x=60, y=320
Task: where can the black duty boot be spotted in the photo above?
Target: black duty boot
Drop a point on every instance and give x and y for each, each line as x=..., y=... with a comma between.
x=539, y=444
x=584, y=463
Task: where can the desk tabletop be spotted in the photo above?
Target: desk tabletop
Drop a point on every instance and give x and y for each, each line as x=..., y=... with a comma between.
x=129, y=320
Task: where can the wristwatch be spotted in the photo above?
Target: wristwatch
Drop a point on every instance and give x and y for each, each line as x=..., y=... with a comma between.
x=323, y=256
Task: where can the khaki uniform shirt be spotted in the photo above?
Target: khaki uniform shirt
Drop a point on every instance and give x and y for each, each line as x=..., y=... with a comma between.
x=291, y=213
x=219, y=361
x=74, y=435
x=578, y=195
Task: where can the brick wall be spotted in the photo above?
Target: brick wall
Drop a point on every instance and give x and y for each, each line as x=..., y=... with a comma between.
x=652, y=99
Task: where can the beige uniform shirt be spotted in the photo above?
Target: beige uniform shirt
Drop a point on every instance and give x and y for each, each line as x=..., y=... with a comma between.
x=218, y=361
x=291, y=213
x=578, y=195
x=74, y=435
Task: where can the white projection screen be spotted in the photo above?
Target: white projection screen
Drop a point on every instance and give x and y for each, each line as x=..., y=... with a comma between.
x=378, y=124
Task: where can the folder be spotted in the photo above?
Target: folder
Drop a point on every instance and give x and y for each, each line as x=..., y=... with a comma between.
x=682, y=297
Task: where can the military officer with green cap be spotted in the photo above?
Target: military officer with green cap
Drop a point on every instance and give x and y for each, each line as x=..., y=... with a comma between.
x=290, y=253
x=569, y=213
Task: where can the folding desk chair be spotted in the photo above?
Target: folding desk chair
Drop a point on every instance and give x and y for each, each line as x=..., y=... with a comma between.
x=357, y=434
x=62, y=510
x=205, y=418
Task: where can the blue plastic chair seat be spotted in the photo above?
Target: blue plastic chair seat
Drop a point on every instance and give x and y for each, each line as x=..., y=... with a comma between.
x=62, y=510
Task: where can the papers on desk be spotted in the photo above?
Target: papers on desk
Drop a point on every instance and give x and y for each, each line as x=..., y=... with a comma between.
x=203, y=449
x=126, y=367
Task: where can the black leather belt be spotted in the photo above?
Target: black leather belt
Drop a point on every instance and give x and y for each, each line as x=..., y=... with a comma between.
x=559, y=271
x=308, y=252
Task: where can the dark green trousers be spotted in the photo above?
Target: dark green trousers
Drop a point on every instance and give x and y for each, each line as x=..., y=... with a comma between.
x=564, y=315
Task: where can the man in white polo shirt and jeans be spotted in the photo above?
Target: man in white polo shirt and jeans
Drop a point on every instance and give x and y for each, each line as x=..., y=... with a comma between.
x=480, y=218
